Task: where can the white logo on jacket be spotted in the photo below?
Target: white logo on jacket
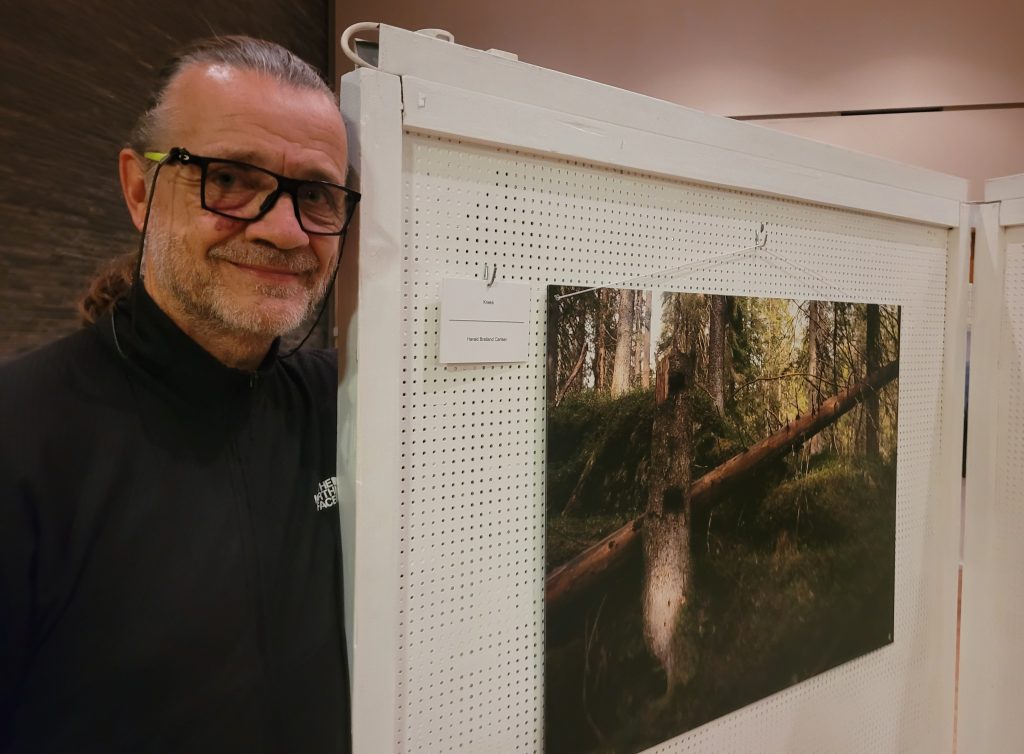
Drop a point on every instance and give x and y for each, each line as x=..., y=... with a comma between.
x=327, y=494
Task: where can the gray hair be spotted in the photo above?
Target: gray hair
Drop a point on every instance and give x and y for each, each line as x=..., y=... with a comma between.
x=245, y=53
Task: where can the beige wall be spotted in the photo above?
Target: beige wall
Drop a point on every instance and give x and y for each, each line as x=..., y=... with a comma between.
x=742, y=57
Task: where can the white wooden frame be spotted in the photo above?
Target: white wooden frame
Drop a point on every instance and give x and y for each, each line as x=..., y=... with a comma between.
x=1008, y=191
x=991, y=657
x=372, y=106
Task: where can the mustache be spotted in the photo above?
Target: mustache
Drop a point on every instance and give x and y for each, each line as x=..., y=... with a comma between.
x=266, y=256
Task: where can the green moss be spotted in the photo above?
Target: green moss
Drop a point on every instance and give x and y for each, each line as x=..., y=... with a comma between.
x=618, y=433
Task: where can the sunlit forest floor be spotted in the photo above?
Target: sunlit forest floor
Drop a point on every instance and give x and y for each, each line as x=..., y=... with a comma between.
x=793, y=575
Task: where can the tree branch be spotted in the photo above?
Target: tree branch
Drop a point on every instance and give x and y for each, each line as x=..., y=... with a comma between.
x=572, y=374
x=805, y=376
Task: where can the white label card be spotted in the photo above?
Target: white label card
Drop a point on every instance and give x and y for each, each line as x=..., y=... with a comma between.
x=481, y=324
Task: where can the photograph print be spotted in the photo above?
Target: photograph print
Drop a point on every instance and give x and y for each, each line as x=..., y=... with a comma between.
x=720, y=505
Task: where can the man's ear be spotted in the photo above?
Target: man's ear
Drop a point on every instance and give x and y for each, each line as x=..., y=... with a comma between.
x=133, y=185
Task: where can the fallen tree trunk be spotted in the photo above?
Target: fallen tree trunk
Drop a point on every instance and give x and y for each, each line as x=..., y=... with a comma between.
x=575, y=576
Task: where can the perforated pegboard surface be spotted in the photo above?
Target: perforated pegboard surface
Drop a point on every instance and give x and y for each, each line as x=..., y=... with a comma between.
x=1007, y=554
x=1010, y=461
x=470, y=673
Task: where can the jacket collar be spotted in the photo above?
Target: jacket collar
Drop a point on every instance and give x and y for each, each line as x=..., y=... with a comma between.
x=145, y=336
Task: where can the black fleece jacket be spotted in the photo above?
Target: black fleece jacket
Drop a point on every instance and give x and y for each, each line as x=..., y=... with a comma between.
x=169, y=549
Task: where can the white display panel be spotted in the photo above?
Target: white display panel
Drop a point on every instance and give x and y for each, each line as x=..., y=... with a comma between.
x=448, y=481
x=991, y=656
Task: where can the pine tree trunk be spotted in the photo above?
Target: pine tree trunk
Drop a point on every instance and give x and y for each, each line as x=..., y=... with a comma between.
x=668, y=568
x=623, y=343
x=551, y=357
x=834, y=443
x=730, y=324
x=716, y=352
x=813, y=333
x=873, y=348
x=600, y=351
x=637, y=345
x=645, y=349
x=575, y=379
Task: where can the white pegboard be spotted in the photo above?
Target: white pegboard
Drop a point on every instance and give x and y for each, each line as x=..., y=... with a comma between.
x=470, y=539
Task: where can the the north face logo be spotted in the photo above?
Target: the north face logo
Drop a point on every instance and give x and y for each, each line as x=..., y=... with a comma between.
x=327, y=494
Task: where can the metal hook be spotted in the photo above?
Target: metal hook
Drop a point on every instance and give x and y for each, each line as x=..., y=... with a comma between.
x=488, y=275
x=760, y=238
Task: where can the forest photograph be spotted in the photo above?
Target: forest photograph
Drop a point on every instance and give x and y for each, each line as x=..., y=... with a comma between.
x=720, y=505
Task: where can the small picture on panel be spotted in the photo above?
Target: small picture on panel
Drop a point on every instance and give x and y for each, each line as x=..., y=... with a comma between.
x=721, y=505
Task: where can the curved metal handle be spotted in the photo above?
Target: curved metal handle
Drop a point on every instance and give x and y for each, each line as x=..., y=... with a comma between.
x=346, y=41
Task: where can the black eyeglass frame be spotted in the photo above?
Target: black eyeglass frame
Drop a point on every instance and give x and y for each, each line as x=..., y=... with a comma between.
x=285, y=185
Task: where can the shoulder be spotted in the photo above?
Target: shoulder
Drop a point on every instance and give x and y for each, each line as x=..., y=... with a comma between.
x=46, y=388
x=50, y=367
x=52, y=395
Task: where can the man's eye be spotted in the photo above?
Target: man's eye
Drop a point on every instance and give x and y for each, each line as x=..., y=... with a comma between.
x=314, y=195
x=224, y=179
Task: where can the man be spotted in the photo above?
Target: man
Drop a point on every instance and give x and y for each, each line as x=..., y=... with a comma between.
x=169, y=550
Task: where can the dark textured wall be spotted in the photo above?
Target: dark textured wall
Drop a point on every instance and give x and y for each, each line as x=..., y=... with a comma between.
x=73, y=77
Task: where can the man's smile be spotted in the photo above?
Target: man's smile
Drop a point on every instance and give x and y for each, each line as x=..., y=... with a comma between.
x=271, y=274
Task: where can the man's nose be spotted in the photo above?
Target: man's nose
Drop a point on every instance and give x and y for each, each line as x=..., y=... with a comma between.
x=280, y=224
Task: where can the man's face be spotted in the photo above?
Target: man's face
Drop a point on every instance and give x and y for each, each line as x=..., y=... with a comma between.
x=247, y=279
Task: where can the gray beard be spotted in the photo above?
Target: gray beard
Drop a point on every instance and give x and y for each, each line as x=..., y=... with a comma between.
x=209, y=304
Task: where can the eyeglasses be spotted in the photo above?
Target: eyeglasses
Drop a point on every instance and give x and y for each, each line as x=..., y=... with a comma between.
x=245, y=192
